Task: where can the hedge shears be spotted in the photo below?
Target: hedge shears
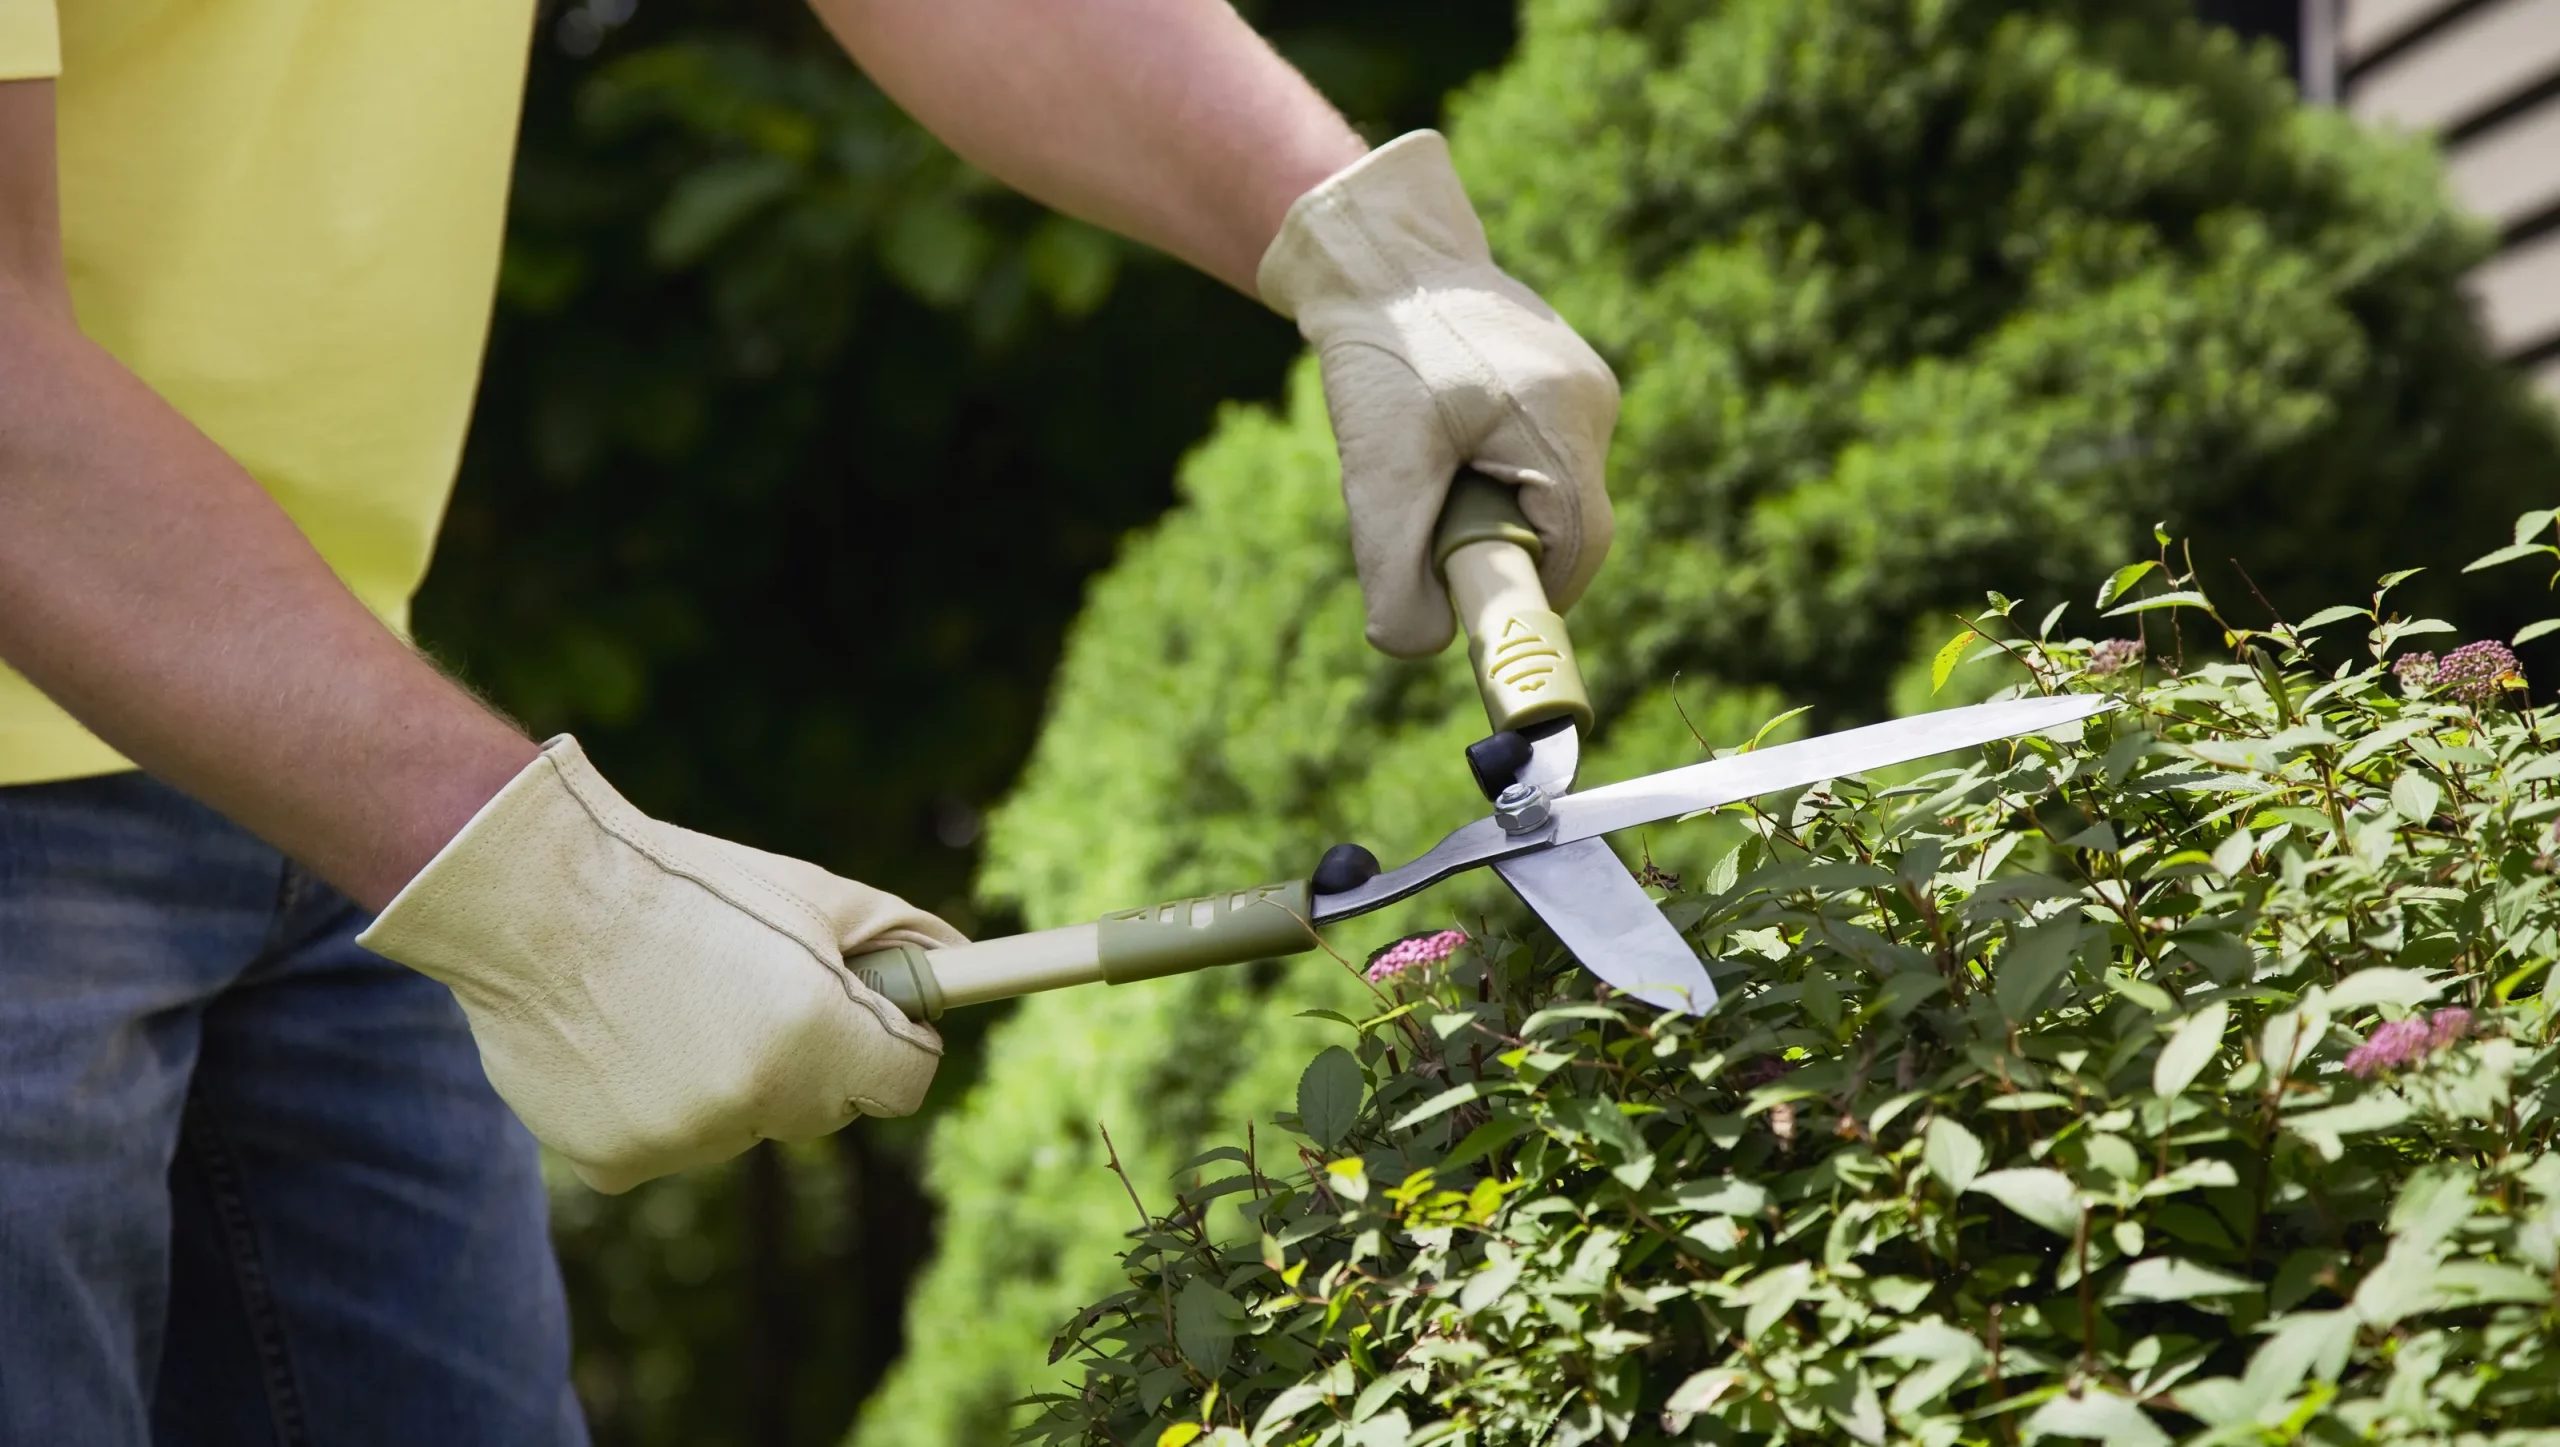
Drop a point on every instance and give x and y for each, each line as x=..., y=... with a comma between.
x=1546, y=841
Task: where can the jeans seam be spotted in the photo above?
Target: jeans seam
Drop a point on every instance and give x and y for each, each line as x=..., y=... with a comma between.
x=249, y=1274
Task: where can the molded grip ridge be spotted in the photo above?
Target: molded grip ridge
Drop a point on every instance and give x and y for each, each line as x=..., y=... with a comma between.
x=1228, y=928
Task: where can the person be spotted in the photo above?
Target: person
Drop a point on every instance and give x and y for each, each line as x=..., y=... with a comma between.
x=280, y=903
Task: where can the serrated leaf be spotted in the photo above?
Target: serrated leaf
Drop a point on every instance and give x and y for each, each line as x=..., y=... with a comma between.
x=1952, y=1154
x=2038, y=1193
x=1329, y=1096
x=2190, y=1049
x=2167, y=1278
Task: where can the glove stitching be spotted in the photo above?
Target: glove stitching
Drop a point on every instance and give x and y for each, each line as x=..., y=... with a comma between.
x=1505, y=386
x=811, y=914
x=828, y=958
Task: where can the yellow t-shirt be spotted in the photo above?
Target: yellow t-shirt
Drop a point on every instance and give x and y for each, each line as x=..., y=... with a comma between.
x=284, y=215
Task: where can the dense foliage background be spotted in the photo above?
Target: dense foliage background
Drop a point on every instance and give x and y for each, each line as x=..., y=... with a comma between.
x=767, y=359
x=2188, y=1074
x=1911, y=299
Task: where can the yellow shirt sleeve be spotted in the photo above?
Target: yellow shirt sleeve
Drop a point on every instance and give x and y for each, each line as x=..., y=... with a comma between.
x=30, y=40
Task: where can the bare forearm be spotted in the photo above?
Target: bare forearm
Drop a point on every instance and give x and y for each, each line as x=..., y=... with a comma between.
x=149, y=586
x=1166, y=120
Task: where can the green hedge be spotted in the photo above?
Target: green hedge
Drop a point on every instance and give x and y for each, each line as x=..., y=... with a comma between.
x=1911, y=298
x=2192, y=1077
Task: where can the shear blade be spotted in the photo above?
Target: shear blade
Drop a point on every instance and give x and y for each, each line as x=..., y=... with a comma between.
x=1587, y=897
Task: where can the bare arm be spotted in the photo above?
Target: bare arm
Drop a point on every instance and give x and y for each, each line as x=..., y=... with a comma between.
x=152, y=588
x=1166, y=120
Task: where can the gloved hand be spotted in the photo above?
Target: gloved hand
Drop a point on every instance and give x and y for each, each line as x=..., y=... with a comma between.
x=648, y=998
x=1433, y=358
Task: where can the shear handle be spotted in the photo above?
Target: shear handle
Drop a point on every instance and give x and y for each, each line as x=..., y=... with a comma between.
x=1488, y=559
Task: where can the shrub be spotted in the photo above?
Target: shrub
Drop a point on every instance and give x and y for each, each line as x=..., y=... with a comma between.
x=1910, y=300
x=2192, y=1077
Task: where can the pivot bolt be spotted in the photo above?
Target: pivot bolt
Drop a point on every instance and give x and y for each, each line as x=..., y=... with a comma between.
x=1522, y=809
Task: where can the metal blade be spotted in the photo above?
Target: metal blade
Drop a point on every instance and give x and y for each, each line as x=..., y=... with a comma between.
x=1675, y=792
x=1587, y=897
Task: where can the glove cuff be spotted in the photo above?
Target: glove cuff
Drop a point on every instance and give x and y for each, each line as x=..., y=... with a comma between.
x=1374, y=229
x=558, y=834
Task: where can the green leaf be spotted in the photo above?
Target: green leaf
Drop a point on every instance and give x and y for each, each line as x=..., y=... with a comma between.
x=1699, y=1392
x=2382, y=985
x=1484, y=1140
x=2190, y=1049
x=2379, y=1110
x=1948, y=657
x=2097, y=1414
x=1205, y=1321
x=1721, y=1196
x=2034, y=962
x=1445, y=1101
x=1285, y=1408
x=2507, y=554
x=2123, y=579
x=2532, y=631
x=2163, y=600
x=1953, y=1154
x=1180, y=1434
x=2040, y=1194
x=2327, y=616
x=1329, y=1096
x=1771, y=1295
x=2415, y=797
x=2167, y=1278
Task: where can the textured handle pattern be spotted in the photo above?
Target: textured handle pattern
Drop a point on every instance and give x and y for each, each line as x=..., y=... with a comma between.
x=1213, y=929
x=1136, y=944
x=1523, y=657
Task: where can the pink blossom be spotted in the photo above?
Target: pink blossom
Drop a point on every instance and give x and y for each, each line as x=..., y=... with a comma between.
x=2475, y=672
x=2114, y=656
x=1412, y=953
x=2406, y=1042
x=2416, y=672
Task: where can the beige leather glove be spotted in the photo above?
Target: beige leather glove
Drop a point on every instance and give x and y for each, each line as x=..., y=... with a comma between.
x=648, y=998
x=1433, y=358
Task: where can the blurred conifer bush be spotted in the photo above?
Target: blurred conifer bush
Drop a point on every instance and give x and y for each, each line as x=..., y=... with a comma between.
x=1910, y=298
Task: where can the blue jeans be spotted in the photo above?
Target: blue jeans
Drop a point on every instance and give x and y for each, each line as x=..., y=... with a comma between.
x=253, y=1185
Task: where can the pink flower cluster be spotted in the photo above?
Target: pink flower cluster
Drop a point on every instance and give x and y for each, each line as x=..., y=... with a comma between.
x=2405, y=1042
x=2475, y=672
x=2416, y=672
x=2114, y=656
x=1414, y=953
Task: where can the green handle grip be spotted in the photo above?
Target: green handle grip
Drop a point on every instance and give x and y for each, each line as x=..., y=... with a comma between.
x=1135, y=944
x=1213, y=929
x=1523, y=657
